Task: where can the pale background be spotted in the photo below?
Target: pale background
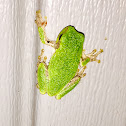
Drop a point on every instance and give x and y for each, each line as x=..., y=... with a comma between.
x=99, y=99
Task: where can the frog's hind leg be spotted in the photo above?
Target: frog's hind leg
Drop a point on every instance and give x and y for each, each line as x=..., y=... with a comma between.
x=41, y=24
x=72, y=84
x=42, y=73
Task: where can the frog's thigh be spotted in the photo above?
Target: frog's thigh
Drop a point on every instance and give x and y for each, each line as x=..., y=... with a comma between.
x=71, y=85
x=42, y=77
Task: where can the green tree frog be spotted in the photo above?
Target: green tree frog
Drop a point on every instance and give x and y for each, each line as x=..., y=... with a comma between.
x=66, y=66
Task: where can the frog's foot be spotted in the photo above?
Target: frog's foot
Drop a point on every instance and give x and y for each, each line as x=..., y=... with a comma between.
x=41, y=58
x=72, y=84
x=39, y=21
x=42, y=73
x=90, y=57
x=41, y=24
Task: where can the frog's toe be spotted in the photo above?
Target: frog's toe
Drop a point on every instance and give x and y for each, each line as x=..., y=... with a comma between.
x=41, y=58
x=45, y=58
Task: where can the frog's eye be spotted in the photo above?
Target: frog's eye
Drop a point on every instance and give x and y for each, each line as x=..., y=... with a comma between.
x=60, y=36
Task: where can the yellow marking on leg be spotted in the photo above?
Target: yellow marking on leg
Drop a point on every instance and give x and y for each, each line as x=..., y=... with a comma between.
x=37, y=86
x=81, y=73
x=45, y=58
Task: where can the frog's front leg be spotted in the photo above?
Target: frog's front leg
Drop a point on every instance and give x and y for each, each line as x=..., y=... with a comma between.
x=41, y=24
x=72, y=84
x=90, y=57
x=42, y=73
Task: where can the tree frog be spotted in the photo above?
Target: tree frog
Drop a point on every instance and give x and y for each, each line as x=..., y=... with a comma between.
x=66, y=66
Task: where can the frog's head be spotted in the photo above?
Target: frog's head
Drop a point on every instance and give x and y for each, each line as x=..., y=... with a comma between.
x=70, y=38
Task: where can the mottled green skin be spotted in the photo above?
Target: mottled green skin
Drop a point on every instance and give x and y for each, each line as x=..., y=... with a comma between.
x=42, y=79
x=41, y=34
x=64, y=63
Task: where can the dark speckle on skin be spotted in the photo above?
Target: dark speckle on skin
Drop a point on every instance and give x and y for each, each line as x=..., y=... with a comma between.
x=60, y=36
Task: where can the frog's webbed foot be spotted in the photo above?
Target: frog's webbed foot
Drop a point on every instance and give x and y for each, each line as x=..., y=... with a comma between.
x=39, y=21
x=90, y=57
x=42, y=59
x=41, y=24
x=42, y=73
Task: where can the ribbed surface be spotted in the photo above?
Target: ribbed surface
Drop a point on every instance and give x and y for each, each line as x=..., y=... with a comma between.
x=99, y=99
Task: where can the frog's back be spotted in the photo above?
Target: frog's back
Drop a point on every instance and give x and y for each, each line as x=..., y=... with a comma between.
x=64, y=63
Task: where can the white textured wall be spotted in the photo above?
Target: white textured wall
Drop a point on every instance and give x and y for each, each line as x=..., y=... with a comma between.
x=99, y=99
